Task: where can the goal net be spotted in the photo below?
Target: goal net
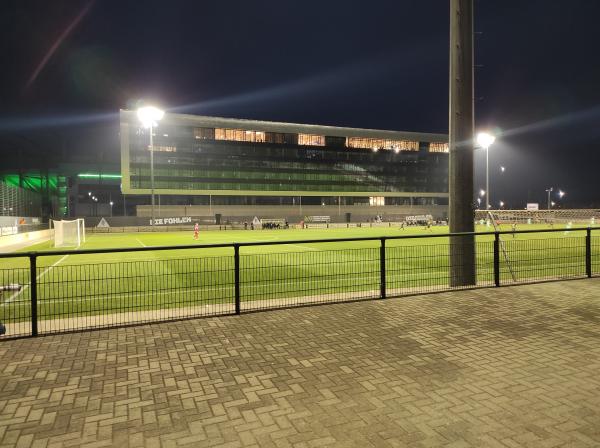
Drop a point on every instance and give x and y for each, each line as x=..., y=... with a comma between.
x=587, y=217
x=69, y=233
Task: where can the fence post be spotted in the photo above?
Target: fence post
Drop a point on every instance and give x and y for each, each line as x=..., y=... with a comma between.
x=497, y=259
x=236, y=264
x=33, y=289
x=588, y=252
x=382, y=268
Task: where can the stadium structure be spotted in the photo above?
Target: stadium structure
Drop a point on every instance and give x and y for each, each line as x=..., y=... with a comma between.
x=210, y=166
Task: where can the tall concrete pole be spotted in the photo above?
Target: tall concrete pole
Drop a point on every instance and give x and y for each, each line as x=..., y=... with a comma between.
x=461, y=210
x=487, y=178
x=152, y=176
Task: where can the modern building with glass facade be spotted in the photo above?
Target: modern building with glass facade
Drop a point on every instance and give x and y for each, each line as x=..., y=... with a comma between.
x=247, y=162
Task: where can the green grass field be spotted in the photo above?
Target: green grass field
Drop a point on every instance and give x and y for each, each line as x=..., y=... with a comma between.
x=83, y=285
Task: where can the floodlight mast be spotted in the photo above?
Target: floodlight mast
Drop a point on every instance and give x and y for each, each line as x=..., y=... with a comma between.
x=485, y=140
x=549, y=190
x=149, y=116
x=551, y=203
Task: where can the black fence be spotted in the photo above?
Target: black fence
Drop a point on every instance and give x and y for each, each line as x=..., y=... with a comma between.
x=59, y=291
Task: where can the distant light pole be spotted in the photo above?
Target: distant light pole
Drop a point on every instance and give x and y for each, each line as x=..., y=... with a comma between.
x=111, y=206
x=501, y=204
x=149, y=116
x=550, y=202
x=549, y=191
x=485, y=140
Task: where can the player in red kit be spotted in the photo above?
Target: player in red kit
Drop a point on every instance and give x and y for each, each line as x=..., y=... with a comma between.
x=196, y=230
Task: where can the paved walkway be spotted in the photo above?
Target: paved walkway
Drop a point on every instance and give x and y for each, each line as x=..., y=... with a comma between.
x=506, y=367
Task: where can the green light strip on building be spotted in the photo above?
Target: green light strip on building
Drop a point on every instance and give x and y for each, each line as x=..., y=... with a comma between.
x=98, y=176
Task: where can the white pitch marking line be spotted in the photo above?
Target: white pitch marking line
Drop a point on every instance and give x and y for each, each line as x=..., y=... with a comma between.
x=26, y=287
x=138, y=240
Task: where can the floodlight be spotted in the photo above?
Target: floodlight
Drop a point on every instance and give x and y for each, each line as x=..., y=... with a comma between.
x=501, y=204
x=485, y=140
x=481, y=193
x=149, y=115
x=502, y=169
x=561, y=193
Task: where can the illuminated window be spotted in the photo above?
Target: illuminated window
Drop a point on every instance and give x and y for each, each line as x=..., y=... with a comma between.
x=311, y=140
x=239, y=135
x=159, y=148
x=380, y=143
x=438, y=147
x=376, y=201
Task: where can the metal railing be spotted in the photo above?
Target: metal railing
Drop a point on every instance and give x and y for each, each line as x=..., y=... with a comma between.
x=58, y=291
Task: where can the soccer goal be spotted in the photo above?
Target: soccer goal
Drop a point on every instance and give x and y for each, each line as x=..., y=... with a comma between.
x=68, y=233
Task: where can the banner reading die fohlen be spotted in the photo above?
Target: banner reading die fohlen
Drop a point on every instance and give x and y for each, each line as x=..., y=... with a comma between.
x=171, y=221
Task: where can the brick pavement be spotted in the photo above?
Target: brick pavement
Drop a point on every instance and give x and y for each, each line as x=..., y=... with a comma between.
x=505, y=367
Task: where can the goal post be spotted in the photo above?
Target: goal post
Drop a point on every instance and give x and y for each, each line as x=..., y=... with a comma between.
x=69, y=233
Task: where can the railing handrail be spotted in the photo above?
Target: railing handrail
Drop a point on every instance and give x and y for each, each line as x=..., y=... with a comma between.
x=280, y=243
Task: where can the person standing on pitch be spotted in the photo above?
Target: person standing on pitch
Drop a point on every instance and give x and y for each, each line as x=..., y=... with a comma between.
x=196, y=230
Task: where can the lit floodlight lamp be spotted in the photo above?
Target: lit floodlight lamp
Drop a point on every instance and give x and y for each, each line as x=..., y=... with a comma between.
x=552, y=203
x=502, y=169
x=149, y=115
x=561, y=193
x=111, y=203
x=501, y=203
x=481, y=193
x=89, y=193
x=485, y=140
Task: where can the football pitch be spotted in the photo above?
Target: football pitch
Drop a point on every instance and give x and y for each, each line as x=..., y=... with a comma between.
x=203, y=278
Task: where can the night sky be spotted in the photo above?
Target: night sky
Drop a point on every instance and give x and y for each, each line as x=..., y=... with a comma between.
x=68, y=66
